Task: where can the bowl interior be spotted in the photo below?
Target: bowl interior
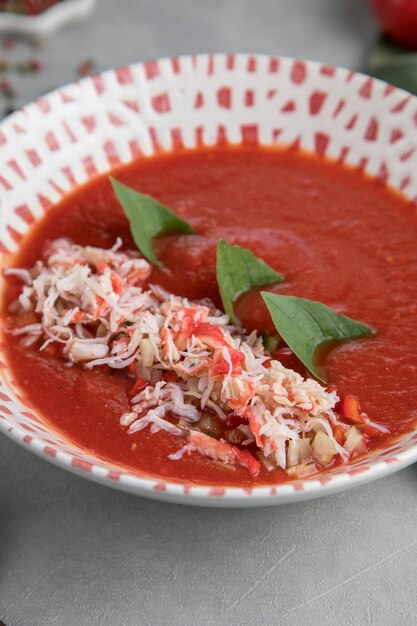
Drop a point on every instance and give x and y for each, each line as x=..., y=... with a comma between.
x=89, y=127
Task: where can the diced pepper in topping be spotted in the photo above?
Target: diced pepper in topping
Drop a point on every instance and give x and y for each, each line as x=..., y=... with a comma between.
x=339, y=434
x=195, y=375
x=170, y=376
x=350, y=409
x=370, y=431
x=138, y=386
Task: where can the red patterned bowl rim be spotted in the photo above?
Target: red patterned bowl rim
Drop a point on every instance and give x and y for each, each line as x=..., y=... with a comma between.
x=400, y=453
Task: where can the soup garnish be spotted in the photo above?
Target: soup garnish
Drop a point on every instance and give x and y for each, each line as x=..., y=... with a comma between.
x=306, y=325
x=239, y=270
x=148, y=218
x=195, y=375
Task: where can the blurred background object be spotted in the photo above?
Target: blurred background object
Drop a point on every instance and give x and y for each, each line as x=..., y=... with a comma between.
x=393, y=57
x=394, y=64
x=41, y=17
x=398, y=19
x=119, y=33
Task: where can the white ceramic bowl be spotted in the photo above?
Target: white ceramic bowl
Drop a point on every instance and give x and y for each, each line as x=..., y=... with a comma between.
x=69, y=135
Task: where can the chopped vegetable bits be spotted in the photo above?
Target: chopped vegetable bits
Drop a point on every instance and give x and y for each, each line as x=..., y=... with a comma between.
x=193, y=374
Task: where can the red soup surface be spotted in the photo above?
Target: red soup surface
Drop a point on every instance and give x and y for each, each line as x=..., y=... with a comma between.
x=335, y=235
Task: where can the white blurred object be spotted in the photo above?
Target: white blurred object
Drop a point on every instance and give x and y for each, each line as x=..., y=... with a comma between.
x=48, y=21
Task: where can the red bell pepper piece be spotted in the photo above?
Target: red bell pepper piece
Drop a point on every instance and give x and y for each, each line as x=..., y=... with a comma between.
x=351, y=410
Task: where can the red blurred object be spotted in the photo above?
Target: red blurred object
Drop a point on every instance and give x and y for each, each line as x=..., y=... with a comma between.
x=26, y=7
x=398, y=19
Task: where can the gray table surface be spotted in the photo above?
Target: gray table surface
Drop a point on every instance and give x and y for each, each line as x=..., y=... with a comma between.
x=75, y=553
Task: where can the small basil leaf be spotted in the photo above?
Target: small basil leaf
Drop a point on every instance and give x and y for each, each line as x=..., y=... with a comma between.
x=305, y=325
x=394, y=64
x=238, y=270
x=148, y=219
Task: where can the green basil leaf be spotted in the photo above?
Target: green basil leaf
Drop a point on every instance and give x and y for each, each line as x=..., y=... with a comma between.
x=148, y=219
x=305, y=325
x=394, y=64
x=238, y=270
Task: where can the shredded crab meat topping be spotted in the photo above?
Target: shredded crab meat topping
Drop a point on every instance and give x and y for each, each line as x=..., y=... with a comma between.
x=187, y=359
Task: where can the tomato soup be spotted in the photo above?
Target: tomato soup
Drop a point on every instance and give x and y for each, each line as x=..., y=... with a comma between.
x=335, y=235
